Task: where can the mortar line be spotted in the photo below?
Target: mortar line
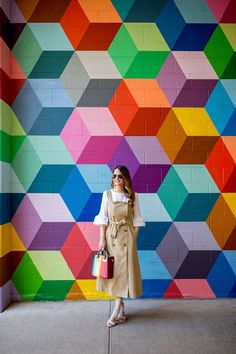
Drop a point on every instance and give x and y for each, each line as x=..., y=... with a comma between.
x=109, y=331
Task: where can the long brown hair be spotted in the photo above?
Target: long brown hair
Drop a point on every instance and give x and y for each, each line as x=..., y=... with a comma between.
x=129, y=191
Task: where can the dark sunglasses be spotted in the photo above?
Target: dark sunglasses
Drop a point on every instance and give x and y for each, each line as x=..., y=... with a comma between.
x=118, y=176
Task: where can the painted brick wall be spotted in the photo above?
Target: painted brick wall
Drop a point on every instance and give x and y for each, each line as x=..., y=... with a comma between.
x=86, y=85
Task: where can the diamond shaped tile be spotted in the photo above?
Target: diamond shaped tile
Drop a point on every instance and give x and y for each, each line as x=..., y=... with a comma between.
x=12, y=76
x=26, y=221
x=221, y=277
x=51, y=265
x=50, y=236
x=221, y=164
x=26, y=163
x=27, y=286
x=222, y=60
x=220, y=108
x=222, y=221
x=75, y=193
x=76, y=252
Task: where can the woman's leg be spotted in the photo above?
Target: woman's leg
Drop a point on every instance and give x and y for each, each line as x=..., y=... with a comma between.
x=113, y=320
x=122, y=315
x=118, y=315
x=117, y=308
x=118, y=303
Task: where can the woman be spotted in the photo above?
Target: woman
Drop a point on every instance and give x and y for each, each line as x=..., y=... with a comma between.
x=119, y=219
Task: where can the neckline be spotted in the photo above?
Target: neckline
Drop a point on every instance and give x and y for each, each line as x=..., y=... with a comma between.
x=118, y=201
x=117, y=192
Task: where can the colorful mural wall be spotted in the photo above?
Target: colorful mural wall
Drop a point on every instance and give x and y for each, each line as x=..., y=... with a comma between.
x=88, y=84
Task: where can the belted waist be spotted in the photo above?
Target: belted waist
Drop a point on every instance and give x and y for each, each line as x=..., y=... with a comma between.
x=115, y=225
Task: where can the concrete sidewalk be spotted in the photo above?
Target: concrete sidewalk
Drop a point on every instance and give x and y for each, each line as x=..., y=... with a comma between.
x=153, y=326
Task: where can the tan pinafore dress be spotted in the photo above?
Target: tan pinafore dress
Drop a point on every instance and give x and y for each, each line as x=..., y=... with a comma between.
x=121, y=243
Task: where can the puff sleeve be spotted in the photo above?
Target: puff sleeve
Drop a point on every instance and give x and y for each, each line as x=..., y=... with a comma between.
x=102, y=217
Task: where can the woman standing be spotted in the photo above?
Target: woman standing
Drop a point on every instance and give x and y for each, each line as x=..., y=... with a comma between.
x=119, y=219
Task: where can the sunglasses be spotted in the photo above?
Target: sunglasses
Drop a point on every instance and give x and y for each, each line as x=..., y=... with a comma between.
x=118, y=176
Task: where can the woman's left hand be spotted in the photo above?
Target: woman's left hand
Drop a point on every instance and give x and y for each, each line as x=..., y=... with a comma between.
x=136, y=229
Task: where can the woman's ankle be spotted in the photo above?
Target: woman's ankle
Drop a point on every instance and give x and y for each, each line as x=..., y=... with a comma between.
x=115, y=314
x=117, y=309
x=117, y=305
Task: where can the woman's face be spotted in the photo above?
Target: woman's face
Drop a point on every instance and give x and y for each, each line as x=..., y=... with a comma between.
x=118, y=179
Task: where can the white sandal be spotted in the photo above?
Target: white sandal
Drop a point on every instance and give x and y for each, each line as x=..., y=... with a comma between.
x=113, y=320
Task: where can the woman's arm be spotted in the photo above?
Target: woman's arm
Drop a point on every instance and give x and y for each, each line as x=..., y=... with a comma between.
x=102, y=220
x=138, y=219
x=102, y=242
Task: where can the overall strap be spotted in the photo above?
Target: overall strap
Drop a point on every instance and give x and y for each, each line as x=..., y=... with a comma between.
x=109, y=195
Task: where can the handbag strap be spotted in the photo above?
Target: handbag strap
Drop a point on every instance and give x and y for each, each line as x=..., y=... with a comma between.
x=103, y=252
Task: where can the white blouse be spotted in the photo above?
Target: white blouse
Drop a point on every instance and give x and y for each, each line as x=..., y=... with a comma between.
x=102, y=217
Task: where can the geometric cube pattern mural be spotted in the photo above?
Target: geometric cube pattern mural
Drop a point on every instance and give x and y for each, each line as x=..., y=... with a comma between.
x=87, y=85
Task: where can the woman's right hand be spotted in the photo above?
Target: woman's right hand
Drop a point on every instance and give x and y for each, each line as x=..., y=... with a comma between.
x=102, y=243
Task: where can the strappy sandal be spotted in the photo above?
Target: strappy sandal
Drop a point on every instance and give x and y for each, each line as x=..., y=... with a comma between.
x=113, y=320
x=122, y=317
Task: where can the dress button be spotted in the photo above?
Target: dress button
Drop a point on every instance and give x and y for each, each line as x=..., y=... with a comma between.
x=125, y=245
x=125, y=230
x=113, y=245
